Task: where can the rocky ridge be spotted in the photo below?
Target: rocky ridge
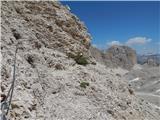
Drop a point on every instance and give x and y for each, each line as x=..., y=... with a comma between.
x=150, y=60
x=49, y=84
x=116, y=56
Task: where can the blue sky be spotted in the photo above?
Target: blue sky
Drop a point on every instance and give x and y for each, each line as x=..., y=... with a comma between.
x=136, y=24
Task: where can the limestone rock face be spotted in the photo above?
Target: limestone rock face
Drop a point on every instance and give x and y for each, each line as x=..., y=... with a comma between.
x=48, y=83
x=115, y=56
x=44, y=24
x=122, y=56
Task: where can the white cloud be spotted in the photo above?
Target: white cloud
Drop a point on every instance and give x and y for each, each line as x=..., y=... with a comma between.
x=113, y=43
x=138, y=41
x=99, y=46
x=94, y=45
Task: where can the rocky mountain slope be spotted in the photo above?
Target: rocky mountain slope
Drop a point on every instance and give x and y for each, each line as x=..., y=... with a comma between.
x=146, y=82
x=50, y=82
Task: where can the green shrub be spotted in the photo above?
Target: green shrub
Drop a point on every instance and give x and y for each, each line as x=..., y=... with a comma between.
x=84, y=84
x=79, y=58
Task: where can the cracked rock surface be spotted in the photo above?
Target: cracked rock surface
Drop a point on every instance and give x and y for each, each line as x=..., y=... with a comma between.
x=48, y=82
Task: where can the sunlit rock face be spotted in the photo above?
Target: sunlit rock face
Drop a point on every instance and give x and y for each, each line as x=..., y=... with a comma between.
x=45, y=24
x=115, y=56
x=122, y=56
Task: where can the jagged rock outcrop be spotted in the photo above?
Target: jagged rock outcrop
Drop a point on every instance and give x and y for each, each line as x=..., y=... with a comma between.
x=50, y=85
x=115, y=56
x=122, y=56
